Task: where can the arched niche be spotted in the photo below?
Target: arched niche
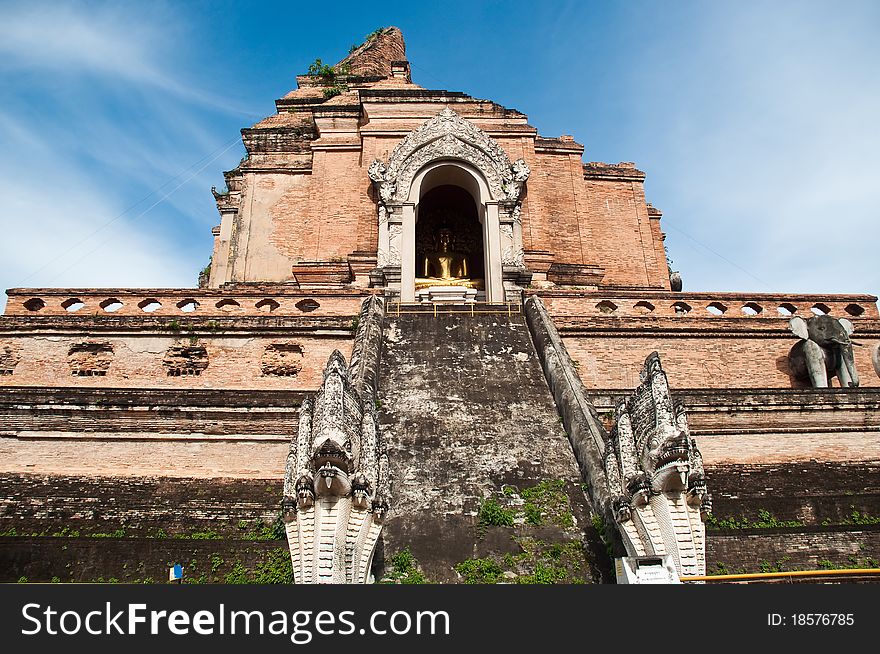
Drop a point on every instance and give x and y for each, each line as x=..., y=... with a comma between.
x=448, y=150
x=436, y=177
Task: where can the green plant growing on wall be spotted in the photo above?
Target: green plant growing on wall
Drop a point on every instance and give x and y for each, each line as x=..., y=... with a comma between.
x=333, y=91
x=859, y=518
x=547, y=501
x=779, y=566
x=332, y=78
x=261, y=531
x=492, y=514
x=537, y=563
x=237, y=575
x=207, y=534
x=479, y=571
x=720, y=569
x=319, y=69
x=404, y=569
x=276, y=568
x=372, y=35
x=765, y=520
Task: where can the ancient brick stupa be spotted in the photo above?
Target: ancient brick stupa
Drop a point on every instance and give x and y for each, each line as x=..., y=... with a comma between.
x=432, y=345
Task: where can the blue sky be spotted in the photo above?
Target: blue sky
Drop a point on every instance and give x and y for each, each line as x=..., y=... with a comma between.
x=756, y=122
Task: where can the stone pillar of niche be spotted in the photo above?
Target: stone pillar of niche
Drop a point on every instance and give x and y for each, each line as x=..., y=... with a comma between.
x=384, y=248
x=408, y=254
x=511, y=252
x=393, y=228
x=494, y=286
x=516, y=221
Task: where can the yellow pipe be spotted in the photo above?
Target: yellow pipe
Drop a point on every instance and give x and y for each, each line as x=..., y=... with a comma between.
x=794, y=573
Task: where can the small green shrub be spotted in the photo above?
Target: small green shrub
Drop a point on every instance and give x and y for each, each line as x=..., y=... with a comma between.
x=544, y=574
x=404, y=569
x=765, y=521
x=479, y=571
x=237, y=575
x=319, y=69
x=858, y=518
x=493, y=514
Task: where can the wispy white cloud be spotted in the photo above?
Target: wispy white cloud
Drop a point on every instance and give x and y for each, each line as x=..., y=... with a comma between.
x=61, y=228
x=101, y=40
x=134, y=45
x=94, y=116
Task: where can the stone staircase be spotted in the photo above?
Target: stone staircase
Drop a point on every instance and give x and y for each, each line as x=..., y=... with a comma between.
x=467, y=415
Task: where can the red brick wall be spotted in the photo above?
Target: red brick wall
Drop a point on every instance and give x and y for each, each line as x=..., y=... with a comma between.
x=694, y=361
x=330, y=303
x=568, y=307
x=610, y=335
x=67, y=454
x=325, y=215
x=234, y=361
x=622, y=240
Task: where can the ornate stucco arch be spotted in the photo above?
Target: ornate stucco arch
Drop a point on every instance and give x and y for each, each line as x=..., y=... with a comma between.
x=450, y=139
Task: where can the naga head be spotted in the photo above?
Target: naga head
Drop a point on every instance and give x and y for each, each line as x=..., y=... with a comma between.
x=661, y=431
x=305, y=492
x=667, y=462
x=360, y=491
x=622, y=509
x=332, y=463
x=288, y=509
x=653, y=470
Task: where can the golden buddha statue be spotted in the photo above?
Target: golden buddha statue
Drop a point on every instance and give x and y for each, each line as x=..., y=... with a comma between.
x=445, y=267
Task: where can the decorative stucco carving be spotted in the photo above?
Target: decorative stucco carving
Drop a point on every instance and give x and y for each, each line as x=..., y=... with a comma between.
x=655, y=476
x=395, y=236
x=875, y=359
x=448, y=136
x=513, y=185
x=516, y=213
x=336, y=486
x=378, y=173
x=510, y=255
